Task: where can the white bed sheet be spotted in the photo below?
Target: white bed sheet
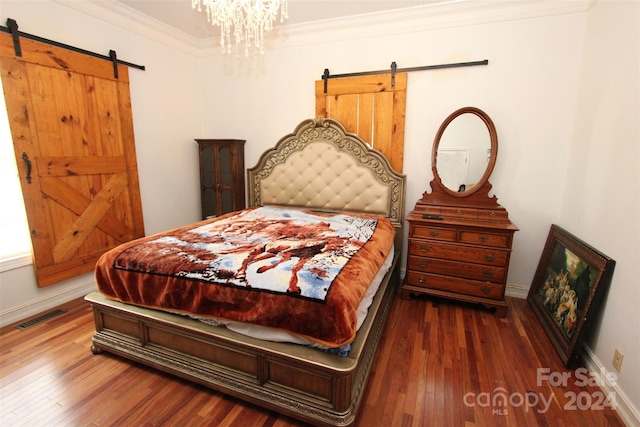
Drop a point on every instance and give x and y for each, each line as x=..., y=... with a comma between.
x=277, y=335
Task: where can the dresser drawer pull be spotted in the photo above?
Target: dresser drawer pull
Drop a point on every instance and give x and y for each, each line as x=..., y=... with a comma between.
x=458, y=212
x=483, y=238
x=434, y=233
x=423, y=264
x=490, y=257
x=422, y=280
x=485, y=290
x=425, y=248
x=487, y=273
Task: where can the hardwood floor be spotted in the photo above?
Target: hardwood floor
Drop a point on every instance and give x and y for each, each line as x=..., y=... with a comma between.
x=439, y=364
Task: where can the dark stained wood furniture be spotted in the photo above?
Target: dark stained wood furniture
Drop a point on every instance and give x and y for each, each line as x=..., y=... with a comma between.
x=222, y=185
x=302, y=382
x=460, y=239
x=436, y=364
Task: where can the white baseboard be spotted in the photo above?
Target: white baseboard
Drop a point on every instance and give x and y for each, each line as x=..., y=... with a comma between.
x=516, y=291
x=625, y=409
x=37, y=306
x=24, y=311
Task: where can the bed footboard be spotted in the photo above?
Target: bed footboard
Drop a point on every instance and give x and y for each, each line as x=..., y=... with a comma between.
x=301, y=382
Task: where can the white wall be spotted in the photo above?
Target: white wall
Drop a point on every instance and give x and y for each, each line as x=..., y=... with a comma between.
x=601, y=198
x=556, y=88
x=529, y=89
x=166, y=119
x=539, y=90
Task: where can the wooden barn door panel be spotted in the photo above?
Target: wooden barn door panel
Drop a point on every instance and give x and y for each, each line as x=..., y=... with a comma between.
x=370, y=107
x=71, y=125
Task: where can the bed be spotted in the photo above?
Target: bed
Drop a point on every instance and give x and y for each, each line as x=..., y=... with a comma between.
x=319, y=169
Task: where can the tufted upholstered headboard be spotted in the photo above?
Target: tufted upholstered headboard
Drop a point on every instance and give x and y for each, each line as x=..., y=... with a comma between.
x=321, y=166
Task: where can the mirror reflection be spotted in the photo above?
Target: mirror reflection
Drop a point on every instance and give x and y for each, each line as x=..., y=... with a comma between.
x=463, y=153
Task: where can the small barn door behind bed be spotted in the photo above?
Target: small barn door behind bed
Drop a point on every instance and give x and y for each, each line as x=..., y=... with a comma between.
x=370, y=107
x=72, y=130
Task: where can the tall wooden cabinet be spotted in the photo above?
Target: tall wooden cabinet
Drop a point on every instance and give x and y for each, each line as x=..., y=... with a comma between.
x=222, y=182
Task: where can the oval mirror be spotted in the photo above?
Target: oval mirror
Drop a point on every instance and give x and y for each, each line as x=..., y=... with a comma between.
x=464, y=152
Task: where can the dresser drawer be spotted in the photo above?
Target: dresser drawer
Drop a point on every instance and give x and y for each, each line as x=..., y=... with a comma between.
x=434, y=233
x=456, y=285
x=431, y=210
x=459, y=212
x=488, y=215
x=454, y=252
x=482, y=238
x=455, y=268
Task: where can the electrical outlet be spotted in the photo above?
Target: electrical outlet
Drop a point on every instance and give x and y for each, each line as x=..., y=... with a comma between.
x=617, y=360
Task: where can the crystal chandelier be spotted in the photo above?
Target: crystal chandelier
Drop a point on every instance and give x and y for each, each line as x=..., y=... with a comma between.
x=248, y=18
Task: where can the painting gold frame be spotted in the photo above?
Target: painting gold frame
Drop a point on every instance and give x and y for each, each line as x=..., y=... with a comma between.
x=568, y=291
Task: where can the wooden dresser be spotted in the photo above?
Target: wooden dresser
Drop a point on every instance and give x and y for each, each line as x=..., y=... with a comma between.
x=460, y=238
x=460, y=258
x=222, y=184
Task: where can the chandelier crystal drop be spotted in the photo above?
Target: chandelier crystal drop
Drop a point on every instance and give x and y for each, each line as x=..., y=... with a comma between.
x=246, y=19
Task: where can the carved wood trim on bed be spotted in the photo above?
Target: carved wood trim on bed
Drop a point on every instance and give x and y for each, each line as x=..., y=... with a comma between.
x=341, y=172
x=302, y=382
x=319, y=166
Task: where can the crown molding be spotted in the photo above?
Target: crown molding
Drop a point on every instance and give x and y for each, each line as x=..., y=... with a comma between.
x=455, y=13
x=452, y=14
x=130, y=19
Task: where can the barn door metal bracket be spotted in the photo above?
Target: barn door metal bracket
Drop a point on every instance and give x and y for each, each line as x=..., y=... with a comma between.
x=114, y=59
x=325, y=77
x=13, y=28
x=394, y=67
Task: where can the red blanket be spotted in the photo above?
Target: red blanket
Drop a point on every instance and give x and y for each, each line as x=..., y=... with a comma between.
x=294, y=270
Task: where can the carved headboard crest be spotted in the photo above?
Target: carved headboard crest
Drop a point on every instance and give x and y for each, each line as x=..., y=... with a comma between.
x=322, y=166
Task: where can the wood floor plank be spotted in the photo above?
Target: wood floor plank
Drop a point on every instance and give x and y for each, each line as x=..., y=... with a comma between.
x=439, y=364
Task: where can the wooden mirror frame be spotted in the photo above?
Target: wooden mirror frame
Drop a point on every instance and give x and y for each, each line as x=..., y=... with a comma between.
x=446, y=202
x=493, y=135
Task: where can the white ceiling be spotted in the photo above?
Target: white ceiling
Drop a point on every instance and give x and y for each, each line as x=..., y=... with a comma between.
x=176, y=24
x=180, y=15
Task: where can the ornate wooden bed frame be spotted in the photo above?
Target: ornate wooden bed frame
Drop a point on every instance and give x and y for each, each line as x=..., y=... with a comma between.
x=319, y=166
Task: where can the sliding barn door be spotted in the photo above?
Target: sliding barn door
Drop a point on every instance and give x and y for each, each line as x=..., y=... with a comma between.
x=72, y=131
x=370, y=107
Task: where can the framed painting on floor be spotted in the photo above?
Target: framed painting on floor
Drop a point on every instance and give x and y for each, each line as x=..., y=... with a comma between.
x=568, y=290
